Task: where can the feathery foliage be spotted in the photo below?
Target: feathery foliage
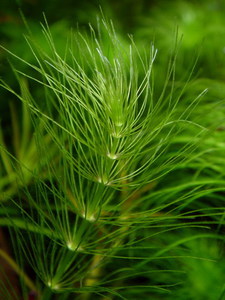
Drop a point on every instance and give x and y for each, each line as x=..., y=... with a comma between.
x=104, y=189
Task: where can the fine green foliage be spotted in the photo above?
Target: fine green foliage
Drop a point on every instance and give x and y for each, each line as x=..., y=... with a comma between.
x=24, y=155
x=104, y=189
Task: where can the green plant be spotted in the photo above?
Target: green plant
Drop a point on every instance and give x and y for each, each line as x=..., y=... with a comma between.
x=106, y=212
x=196, y=32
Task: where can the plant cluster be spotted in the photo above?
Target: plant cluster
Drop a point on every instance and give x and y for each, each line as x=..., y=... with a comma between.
x=112, y=170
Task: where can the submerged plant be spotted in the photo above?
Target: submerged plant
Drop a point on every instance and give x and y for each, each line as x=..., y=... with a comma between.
x=95, y=226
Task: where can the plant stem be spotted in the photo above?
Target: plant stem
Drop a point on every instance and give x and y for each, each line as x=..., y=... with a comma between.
x=93, y=274
x=17, y=269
